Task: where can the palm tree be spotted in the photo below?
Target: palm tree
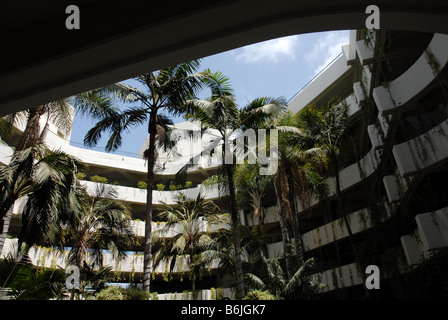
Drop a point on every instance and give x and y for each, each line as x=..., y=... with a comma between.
x=220, y=247
x=189, y=220
x=221, y=113
x=299, y=158
x=252, y=187
x=164, y=91
x=90, y=224
x=93, y=280
x=327, y=129
x=272, y=278
x=24, y=282
x=58, y=112
x=100, y=221
x=46, y=178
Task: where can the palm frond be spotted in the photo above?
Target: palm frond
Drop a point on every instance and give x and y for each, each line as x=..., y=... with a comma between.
x=253, y=282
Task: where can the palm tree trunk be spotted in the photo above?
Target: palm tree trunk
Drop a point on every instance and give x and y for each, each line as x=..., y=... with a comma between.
x=31, y=134
x=283, y=229
x=193, y=279
x=296, y=225
x=147, y=259
x=235, y=232
x=294, y=219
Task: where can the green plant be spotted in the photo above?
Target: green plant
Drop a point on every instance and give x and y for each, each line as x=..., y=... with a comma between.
x=188, y=184
x=111, y=293
x=136, y=294
x=274, y=279
x=221, y=112
x=119, y=293
x=189, y=242
x=160, y=187
x=80, y=175
x=161, y=93
x=142, y=185
x=99, y=221
x=173, y=187
x=99, y=179
x=259, y=295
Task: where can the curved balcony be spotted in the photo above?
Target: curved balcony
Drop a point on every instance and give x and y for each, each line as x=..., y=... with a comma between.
x=138, y=227
x=344, y=276
x=136, y=195
x=414, y=81
x=423, y=152
x=334, y=231
x=352, y=175
x=5, y=153
x=133, y=262
x=430, y=236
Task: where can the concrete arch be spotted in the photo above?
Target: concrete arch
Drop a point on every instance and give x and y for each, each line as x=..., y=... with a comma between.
x=46, y=61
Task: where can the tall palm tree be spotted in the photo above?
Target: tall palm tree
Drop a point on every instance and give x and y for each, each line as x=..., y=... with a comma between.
x=59, y=113
x=221, y=113
x=46, y=178
x=189, y=220
x=164, y=91
x=296, y=177
x=327, y=128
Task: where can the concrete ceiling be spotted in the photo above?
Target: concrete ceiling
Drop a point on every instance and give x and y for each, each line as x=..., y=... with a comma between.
x=41, y=60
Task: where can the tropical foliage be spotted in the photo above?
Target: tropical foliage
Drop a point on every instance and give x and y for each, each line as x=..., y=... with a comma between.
x=194, y=234
x=20, y=280
x=221, y=113
x=274, y=279
x=190, y=224
x=99, y=222
x=46, y=179
x=164, y=92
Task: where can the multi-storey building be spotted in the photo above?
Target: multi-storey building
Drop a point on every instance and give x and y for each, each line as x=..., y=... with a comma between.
x=392, y=176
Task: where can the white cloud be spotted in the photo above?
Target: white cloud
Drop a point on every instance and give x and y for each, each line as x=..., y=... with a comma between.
x=325, y=49
x=273, y=51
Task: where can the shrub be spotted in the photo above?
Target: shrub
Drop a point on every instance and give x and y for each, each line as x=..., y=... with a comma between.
x=111, y=293
x=98, y=179
x=173, y=187
x=259, y=295
x=119, y=293
x=188, y=184
x=160, y=187
x=136, y=294
x=142, y=185
x=80, y=175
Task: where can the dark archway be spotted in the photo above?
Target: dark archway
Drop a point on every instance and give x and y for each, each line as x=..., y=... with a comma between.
x=43, y=61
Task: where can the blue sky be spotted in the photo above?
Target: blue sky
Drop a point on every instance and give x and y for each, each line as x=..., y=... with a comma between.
x=274, y=68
